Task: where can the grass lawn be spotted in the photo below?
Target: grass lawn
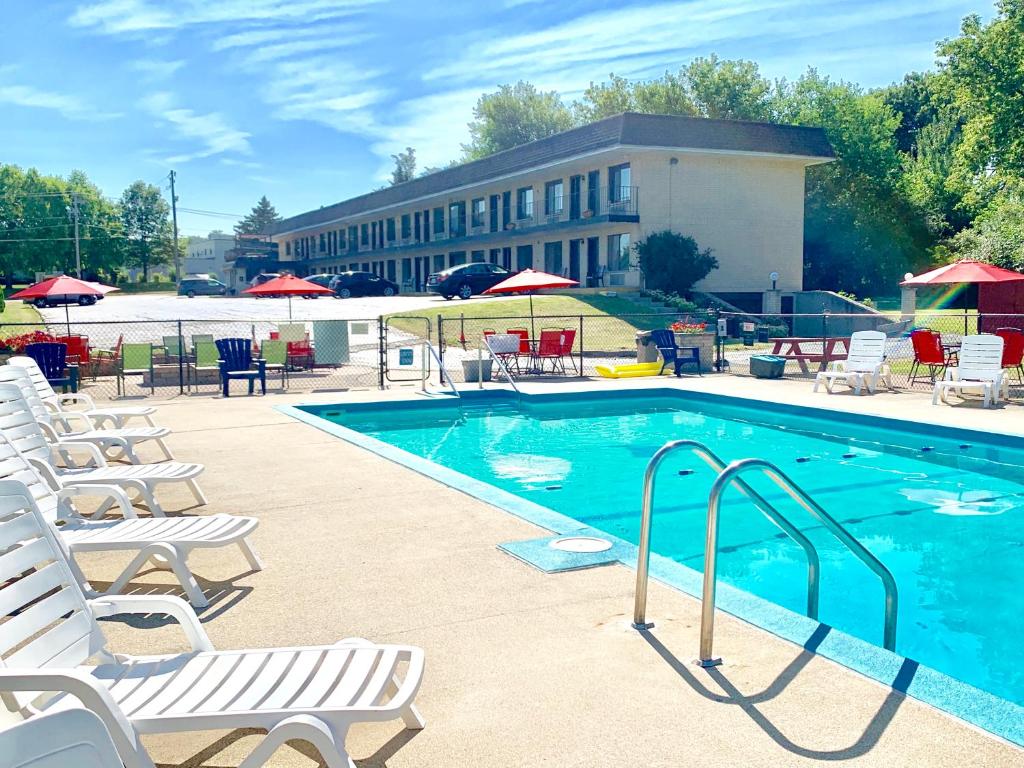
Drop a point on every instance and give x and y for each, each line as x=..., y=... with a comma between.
x=18, y=312
x=606, y=331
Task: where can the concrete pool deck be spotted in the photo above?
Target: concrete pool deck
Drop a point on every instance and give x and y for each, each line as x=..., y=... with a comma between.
x=523, y=668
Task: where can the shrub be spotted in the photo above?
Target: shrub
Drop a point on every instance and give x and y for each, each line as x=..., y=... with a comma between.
x=672, y=300
x=673, y=262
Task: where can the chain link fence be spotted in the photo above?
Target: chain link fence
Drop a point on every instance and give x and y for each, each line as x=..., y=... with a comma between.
x=168, y=358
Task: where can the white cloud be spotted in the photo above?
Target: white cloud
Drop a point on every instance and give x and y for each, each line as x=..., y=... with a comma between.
x=211, y=131
x=156, y=69
x=114, y=17
x=68, y=105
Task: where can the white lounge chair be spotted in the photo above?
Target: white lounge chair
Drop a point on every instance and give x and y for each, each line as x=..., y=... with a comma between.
x=864, y=365
x=117, y=416
x=980, y=367
x=53, y=656
x=166, y=542
x=114, y=443
x=18, y=423
x=74, y=738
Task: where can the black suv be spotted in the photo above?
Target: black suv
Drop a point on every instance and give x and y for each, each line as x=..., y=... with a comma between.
x=466, y=279
x=201, y=286
x=348, y=284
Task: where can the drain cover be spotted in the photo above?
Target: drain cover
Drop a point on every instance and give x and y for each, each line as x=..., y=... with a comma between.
x=581, y=544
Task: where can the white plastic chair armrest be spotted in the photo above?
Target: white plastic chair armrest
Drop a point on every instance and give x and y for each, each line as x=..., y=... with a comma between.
x=70, y=490
x=175, y=607
x=90, y=692
x=47, y=472
x=64, y=418
x=91, y=448
x=77, y=397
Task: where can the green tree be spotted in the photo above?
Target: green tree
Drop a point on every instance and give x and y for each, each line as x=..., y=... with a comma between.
x=147, y=229
x=984, y=71
x=730, y=90
x=514, y=115
x=996, y=236
x=672, y=262
x=405, y=166
x=259, y=220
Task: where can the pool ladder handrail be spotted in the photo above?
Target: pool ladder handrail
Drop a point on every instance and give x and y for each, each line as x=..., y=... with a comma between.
x=717, y=464
x=502, y=366
x=440, y=367
x=729, y=475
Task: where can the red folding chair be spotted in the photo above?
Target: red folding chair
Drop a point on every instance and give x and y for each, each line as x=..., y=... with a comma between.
x=78, y=352
x=524, y=346
x=550, y=348
x=1013, y=350
x=568, y=339
x=928, y=353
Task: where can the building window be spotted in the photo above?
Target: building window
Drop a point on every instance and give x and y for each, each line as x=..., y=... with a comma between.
x=416, y=227
x=353, y=233
x=438, y=262
x=456, y=257
x=618, y=253
x=619, y=184
x=439, y=221
x=288, y=248
x=495, y=255
x=494, y=203
x=341, y=240
x=406, y=226
x=391, y=230
x=554, y=198
x=323, y=242
x=553, y=258
x=477, y=257
x=524, y=203
x=426, y=226
x=457, y=219
x=479, y=211
x=364, y=234
x=524, y=257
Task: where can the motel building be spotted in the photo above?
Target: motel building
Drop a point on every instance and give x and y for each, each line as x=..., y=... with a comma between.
x=573, y=204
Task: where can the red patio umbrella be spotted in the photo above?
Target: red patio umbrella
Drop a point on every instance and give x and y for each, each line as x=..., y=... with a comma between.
x=65, y=286
x=287, y=285
x=965, y=271
x=528, y=281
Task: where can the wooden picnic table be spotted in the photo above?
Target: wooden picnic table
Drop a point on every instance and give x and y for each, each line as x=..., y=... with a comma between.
x=795, y=348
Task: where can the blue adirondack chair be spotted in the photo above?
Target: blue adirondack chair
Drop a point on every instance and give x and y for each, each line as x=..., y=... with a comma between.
x=51, y=357
x=665, y=341
x=236, y=362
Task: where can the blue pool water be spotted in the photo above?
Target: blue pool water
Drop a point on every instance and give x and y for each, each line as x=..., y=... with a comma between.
x=944, y=513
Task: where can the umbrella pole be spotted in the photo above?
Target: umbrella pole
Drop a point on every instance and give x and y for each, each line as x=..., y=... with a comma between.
x=533, y=327
x=67, y=315
x=289, y=307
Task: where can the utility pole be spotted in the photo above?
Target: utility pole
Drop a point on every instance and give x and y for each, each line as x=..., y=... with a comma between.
x=174, y=219
x=73, y=214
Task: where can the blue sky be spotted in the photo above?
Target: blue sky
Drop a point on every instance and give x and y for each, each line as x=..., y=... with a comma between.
x=305, y=100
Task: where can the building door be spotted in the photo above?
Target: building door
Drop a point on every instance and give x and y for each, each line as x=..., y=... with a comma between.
x=574, y=259
x=524, y=257
x=593, y=191
x=391, y=270
x=406, y=271
x=575, y=192
x=506, y=258
x=592, y=245
x=506, y=208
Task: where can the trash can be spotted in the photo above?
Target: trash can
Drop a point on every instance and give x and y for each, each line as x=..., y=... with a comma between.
x=767, y=366
x=762, y=335
x=748, y=334
x=472, y=369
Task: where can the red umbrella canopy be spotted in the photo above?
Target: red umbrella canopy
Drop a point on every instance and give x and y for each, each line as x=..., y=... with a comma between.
x=62, y=285
x=529, y=280
x=287, y=285
x=967, y=271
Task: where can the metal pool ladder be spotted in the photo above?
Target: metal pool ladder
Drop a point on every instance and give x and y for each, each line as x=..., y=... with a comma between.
x=730, y=475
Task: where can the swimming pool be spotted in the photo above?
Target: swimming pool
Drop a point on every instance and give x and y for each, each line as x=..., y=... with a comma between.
x=942, y=509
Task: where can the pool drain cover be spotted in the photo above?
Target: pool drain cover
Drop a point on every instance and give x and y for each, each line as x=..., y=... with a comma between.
x=581, y=544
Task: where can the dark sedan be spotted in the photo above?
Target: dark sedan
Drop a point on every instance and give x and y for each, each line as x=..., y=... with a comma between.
x=348, y=284
x=465, y=280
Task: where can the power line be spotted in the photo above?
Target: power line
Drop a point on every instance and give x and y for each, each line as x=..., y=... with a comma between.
x=63, y=239
x=213, y=213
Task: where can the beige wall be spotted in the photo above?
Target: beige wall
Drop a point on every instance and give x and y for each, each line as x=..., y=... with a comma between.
x=748, y=209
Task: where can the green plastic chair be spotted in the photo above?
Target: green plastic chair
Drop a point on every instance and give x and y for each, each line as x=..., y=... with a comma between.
x=206, y=359
x=275, y=352
x=198, y=337
x=136, y=360
x=173, y=346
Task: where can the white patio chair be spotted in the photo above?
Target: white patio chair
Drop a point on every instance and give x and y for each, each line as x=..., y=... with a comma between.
x=74, y=738
x=980, y=367
x=18, y=423
x=864, y=365
x=114, y=443
x=165, y=543
x=117, y=416
x=53, y=656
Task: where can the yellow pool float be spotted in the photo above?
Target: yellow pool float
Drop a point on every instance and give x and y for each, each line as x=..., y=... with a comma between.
x=634, y=370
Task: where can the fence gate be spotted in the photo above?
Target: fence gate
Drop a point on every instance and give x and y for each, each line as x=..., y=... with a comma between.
x=403, y=357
